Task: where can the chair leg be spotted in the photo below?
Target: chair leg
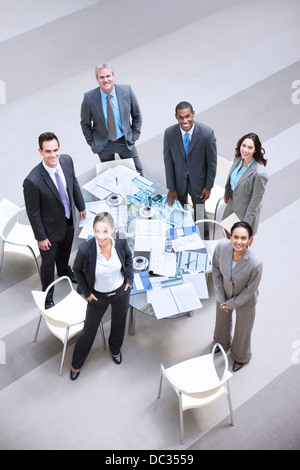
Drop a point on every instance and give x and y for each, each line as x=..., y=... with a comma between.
x=37, y=330
x=64, y=351
x=35, y=262
x=230, y=405
x=181, y=418
x=37, y=268
x=160, y=384
x=1, y=256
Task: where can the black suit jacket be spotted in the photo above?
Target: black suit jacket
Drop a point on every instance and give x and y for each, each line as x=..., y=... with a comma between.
x=43, y=203
x=85, y=263
x=201, y=159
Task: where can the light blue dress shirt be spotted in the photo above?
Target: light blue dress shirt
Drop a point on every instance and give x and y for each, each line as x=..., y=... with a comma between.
x=115, y=105
x=237, y=173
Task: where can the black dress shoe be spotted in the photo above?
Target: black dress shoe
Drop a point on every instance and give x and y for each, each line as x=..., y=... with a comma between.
x=73, y=278
x=237, y=366
x=117, y=359
x=49, y=304
x=74, y=375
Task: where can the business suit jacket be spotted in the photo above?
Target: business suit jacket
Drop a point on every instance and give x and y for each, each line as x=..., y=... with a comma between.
x=238, y=286
x=43, y=203
x=93, y=121
x=246, y=199
x=85, y=263
x=201, y=159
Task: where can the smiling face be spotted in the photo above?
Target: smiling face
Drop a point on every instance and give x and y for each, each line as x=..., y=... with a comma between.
x=240, y=240
x=185, y=117
x=247, y=150
x=50, y=153
x=106, y=79
x=103, y=232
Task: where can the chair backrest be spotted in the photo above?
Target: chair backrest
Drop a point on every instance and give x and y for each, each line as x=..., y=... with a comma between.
x=213, y=223
x=223, y=167
x=186, y=380
x=102, y=166
x=8, y=211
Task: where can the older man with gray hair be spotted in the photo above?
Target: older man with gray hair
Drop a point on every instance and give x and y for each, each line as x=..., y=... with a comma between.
x=111, y=119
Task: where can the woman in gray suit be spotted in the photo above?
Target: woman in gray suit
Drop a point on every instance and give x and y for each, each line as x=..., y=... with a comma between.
x=236, y=276
x=246, y=181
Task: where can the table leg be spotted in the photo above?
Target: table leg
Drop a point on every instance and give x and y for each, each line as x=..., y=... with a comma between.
x=131, y=325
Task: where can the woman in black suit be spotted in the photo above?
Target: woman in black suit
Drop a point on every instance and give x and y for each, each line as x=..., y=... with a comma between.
x=104, y=271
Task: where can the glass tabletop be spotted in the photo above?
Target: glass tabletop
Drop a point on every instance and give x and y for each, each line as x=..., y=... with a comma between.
x=130, y=212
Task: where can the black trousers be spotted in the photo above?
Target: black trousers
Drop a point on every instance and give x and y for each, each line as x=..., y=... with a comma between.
x=119, y=301
x=58, y=254
x=120, y=147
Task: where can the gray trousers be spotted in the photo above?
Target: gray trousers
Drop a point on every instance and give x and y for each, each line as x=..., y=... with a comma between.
x=120, y=147
x=240, y=343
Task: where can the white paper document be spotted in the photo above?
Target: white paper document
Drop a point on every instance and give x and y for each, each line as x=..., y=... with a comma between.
x=149, y=233
x=161, y=262
x=199, y=282
x=174, y=300
x=190, y=242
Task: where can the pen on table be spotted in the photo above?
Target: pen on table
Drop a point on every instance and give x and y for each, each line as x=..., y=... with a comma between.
x=116, y=181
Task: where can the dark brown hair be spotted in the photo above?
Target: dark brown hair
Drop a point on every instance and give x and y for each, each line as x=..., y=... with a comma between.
x=259, y=150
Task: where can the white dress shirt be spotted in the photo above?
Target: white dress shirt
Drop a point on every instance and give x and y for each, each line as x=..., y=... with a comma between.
x=52, y=171
x=108, y=275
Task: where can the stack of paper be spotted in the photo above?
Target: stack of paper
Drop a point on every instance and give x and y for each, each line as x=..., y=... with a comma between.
x=174, y=300
x=149, y=233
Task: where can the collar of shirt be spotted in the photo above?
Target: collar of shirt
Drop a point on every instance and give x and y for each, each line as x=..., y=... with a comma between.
x=237, y=173
x=105, y=95
x=190, y=132
x=52, y=171
x=113, y=249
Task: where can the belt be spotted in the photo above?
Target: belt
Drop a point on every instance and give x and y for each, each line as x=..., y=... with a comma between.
x=108, y=294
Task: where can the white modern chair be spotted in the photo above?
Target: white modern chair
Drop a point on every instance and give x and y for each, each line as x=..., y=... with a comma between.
x=217, y=192
x=103, y=166
x=197, y=383
x=20, y=238
x=66, y=318
x=210, y=245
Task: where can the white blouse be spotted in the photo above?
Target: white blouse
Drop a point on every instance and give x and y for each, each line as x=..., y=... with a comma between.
x=108, y=275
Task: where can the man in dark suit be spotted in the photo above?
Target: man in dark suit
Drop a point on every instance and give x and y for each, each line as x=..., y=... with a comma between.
x=190, y=158
x=111, y=119
x=52, y=194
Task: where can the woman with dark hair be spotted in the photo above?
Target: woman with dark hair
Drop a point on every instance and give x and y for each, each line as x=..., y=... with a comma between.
x=246, y=181
x=104, y=271
x=236, y=276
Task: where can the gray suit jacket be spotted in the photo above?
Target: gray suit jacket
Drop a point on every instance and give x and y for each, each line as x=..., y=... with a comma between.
x=43, y=203
x=201, y=159
x=93, y=121
x=246, y=199
x=238, y=286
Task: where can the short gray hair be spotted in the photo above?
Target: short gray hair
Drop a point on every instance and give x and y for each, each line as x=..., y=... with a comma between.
x=104, y=65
